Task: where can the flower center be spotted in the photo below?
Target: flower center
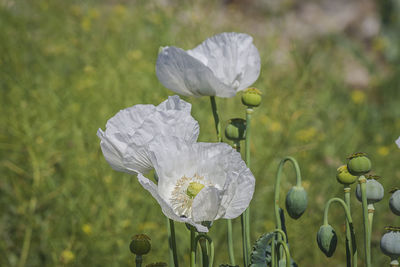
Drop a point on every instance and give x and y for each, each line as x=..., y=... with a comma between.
x=184, y=192
x=193, y=189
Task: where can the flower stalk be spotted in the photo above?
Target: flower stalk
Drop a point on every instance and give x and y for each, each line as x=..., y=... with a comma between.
x=367, y=241
x=351, y=261
x=207, y=255
x=192, y=247
x=216, y=118
x=172, y=243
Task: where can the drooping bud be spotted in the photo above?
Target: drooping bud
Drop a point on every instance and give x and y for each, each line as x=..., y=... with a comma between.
x=344, y=177
x=358, y=164
x=251, y=97
x=140, y=244
x=296, y=201
x=327, y=240
x=236, y=129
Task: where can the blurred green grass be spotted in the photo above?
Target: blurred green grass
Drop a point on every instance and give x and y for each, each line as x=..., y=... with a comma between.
x=66, y=67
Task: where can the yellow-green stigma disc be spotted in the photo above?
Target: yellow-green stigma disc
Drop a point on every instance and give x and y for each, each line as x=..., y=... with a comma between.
x=193, y=189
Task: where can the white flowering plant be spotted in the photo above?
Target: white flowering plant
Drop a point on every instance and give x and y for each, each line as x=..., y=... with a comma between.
x=197, y=183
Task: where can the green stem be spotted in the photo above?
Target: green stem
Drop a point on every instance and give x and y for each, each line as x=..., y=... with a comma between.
x=273, y=250
x=192, y=247
x=139, y=260
x=286, y=250
x=173, y=256
x=348, y=218
x=216, y=117
x=371, y=210
x=367, y=242
x=349, y=245
x=231, y=251
x=276, y=194
x=245, y=251
x=203, y=238
x=249, y=111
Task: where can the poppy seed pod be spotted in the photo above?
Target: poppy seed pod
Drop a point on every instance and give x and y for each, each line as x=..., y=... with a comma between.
x=236, y=129
x=394, y=202
x=390, y=242
x=374, y=190
x=140, y=244
x=327, y=240
x=344, y=177
x=251, y=97
x=296, y=201
x=358, y=164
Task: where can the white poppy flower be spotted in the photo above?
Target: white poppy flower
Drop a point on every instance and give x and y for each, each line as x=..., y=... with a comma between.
x=398, y=142
x=220, y=66
x=199, y=182
x=127, y=134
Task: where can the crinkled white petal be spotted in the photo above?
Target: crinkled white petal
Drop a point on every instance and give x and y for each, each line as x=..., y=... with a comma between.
x=232, y=57
x=398, y=142
x=186, y=75
x=165, y=207
x=124, y=142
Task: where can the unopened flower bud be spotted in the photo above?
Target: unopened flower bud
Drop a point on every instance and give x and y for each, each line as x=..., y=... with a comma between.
x=251, y=97
x=358, y=164
x=236, y=129
x=140, y=244
x=296, y=201
x=327, y=240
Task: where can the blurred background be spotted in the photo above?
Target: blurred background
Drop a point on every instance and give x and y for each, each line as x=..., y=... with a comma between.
x=330, y=79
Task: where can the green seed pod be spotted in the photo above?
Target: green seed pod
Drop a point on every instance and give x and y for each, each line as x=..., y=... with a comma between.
x=344, y=177
x=140, y=244
x=236, y=129
x=251, y=97
x=296, y=201
x=157, y=264
x=394, y=202
x=358, y=164
x=327, y=240
x=374, y=190
x=390, y=242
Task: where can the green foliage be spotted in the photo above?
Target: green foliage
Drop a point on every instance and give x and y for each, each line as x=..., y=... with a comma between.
x=68, y=66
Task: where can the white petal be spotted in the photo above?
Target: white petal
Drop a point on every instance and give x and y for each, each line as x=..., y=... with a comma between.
x=398, y=142
x=206, y=204
x=232, y=57
x=175, y=103
x=244, y=190
x=165, y=207
x=186, y=75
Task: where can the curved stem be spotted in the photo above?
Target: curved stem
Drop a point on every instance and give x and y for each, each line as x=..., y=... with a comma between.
x=362, y=181
x=216, y=118
x=192, y=247
x=286, y=250
x=277, y=186
x=282, y=234
x=276, y=193
x=139, y=260
x=203, y=238
x=203, y=245
x=173, y=256
x=348, y=218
